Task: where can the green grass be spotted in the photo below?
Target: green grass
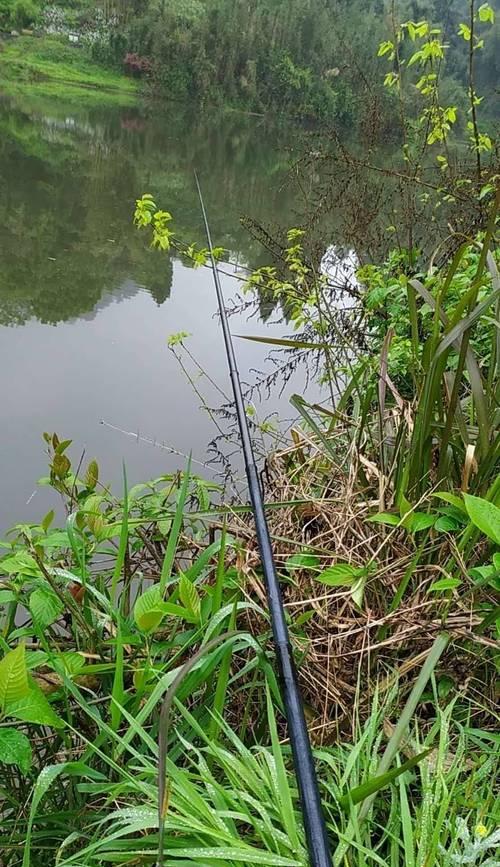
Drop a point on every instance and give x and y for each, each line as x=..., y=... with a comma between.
x=60, y=69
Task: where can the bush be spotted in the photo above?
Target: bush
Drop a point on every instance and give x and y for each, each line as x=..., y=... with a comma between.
x=136, y=65
x=23, y=13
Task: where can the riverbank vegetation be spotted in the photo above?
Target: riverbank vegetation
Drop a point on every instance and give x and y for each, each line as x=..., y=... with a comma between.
x=302, y=58
x=59, y=69
x=383, y=501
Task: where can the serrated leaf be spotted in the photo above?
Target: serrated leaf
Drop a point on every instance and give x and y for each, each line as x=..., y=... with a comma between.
x=20, y=562
x=45, y=607
x=189, y=597
x=15, y=749
x=484, y=515
x=148, y=609
x=34, y=708
x=13, y=676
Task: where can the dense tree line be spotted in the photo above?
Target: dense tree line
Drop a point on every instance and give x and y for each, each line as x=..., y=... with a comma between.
x=297, y=56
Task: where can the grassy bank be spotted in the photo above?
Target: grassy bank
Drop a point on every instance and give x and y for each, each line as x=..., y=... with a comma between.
x=55, y=68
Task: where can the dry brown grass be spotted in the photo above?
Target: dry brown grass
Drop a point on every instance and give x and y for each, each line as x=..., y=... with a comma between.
x=347, y=650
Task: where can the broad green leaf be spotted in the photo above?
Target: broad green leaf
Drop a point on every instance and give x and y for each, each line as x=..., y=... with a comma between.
x=445, y=524
x=486, y=13
x=20, y=562
x=189, y=597
x=33, y=707
x=302, y=561
x=358, y=794
x=444, y=584
x=13, y=676
x=340, y=575
x=488, y=574
x=7, y=596
x=484, y=515
x=453, y=499
x=358, y=590
x=45, y=607
x=418, y=521
x=148, y=609
x=385, y=518
x=47, y=521
x=15, y=749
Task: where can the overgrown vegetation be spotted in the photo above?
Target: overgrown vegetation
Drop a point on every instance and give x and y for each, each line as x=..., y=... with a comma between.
x=304, y=57
x=59, y=69
x=137, y=683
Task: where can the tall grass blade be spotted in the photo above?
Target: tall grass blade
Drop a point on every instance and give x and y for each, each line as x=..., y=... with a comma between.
x=122, y=547
x=168, y=560
x=440, y=644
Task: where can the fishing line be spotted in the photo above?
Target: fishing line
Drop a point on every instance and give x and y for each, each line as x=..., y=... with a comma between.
x=314, y=822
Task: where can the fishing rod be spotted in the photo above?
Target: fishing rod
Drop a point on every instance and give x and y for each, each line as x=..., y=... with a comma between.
x=314, y=822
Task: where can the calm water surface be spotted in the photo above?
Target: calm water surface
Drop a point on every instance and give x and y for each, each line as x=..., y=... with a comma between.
x=86, y=307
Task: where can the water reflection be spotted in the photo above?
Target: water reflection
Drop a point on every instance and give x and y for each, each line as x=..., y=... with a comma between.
x=70, y=257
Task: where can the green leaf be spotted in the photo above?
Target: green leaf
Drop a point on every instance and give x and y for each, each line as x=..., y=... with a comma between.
x=420, y=521
x=61, y=465
x=445, y=524
x=281, y=782
x=7, y=596
x=340, y=575
x=282, y=341
x=20, y=562
x=148, y=609
x=358, y=590
x=92, y=475
x=385, y=518
x=169, y=557
x=302, y=561
x=13, y=676
x=228, y=854
x=34, y=707
x=45, y=779
x=358, y=794
x=15, y=749
x=484, y=515
x=47, y=521
x=444, y=584
x=453, y=499
x=189, y=597
x=486, y=13
x=45, y=607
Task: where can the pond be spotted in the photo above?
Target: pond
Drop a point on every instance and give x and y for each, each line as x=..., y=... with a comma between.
x=86, y=307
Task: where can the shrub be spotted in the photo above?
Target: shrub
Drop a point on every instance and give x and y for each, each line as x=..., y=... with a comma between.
x=136, y=65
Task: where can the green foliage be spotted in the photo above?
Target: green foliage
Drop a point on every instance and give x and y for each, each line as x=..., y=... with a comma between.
x=61, y=68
